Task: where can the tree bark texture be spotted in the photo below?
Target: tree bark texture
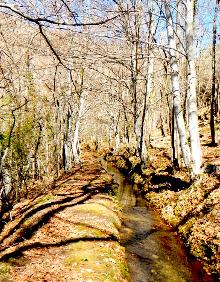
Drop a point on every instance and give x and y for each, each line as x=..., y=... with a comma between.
x=176, y=86
x=196, y=155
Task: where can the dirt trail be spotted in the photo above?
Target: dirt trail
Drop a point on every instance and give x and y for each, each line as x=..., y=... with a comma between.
x=70, y=234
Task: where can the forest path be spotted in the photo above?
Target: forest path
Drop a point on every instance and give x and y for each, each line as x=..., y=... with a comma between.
x=69, y=234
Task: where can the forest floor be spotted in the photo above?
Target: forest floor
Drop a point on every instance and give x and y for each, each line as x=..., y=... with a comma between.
x=191, y=208
x=70, y=233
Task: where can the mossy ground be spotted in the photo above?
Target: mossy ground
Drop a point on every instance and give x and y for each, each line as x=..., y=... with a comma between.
x=4, y=271
x=101, y=261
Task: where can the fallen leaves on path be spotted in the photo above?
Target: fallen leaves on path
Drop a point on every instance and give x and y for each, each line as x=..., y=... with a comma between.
x=69, y=234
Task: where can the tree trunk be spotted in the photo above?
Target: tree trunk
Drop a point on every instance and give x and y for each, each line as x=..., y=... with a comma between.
x=76, y=131
x=213, y=95
x=217, y=100
x=134, y=74
x=134, y=93
x=117, y=138
x=196, y=154
x=6, y=184
x=149, y=80
x=36, y=171
x=176, y=86
x=174, y=142
x=65, y=155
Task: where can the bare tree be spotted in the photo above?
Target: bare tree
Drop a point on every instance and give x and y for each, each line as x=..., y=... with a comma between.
x=176, y=86
x=191, y=91
x=214, y=84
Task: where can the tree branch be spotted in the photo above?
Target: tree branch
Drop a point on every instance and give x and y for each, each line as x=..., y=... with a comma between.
x=14, y=121
x=49, y=44
x=39, y=20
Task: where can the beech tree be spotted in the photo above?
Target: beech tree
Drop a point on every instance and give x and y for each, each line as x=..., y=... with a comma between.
x=178, y=112
x=191, y=91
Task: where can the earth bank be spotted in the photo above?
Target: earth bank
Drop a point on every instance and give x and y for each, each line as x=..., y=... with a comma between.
x=192, y=209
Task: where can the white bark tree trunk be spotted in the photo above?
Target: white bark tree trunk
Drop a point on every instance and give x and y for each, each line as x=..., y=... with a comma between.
x=176, y=86
x=67, y=142
x=5, y=178
x=196, y=155
x=76, y=131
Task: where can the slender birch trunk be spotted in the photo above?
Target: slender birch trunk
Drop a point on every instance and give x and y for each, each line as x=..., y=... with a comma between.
x=69, y=137
x=67, y=142
x=6, y=184
x=176, y=86
x=180, y=48
x=196, y=155
x=148, y=85
x=76, y=131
